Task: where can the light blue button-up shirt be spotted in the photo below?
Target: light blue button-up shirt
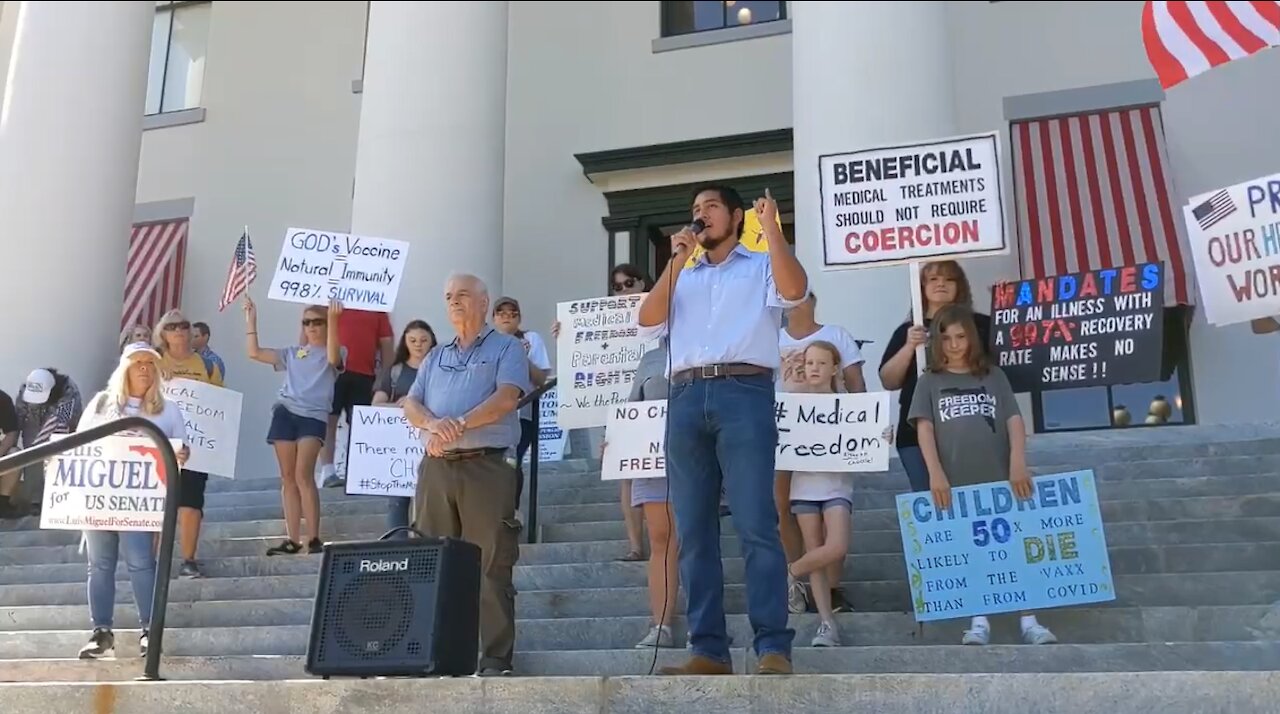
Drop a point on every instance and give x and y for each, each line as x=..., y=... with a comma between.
x=724, y=313
x=453, y=381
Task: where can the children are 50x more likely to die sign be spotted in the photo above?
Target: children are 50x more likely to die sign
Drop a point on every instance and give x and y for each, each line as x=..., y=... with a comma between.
x=992, y=553
x=912, y=202
x=361, y=271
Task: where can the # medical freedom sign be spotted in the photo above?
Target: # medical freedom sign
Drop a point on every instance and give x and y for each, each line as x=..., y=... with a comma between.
x=992, y=553
x=361, y=271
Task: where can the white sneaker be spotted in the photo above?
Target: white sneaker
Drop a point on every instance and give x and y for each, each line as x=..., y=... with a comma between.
x=1038, y=634
x=659, y=636
x=795, y=597
x=979, y=634
x=827, y=636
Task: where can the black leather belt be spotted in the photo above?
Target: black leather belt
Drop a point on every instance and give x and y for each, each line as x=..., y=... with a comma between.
x=465, y=454
x=717, y=371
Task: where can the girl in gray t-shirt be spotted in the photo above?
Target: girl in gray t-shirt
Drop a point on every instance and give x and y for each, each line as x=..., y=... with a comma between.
x=970, y=431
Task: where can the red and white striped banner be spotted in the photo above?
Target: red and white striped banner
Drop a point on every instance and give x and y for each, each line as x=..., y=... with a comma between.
x=1184, y=39
x=153, y=277
x=1093, y=192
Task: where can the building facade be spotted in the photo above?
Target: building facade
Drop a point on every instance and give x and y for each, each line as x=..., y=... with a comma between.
x=537, y=143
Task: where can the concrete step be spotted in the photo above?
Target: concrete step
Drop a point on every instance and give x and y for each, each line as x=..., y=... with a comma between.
x=569, y=576
x=1239, y=530
x=601, y=523
x=865, y=497
x=253, y=526
x=210, y=548
x=1178, y=692
x=200, y=589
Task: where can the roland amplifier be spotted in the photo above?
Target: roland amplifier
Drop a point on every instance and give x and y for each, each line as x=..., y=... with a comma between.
x=396, y=608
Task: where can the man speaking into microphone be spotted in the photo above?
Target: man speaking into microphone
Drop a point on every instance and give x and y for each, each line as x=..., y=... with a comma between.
x=722, y=317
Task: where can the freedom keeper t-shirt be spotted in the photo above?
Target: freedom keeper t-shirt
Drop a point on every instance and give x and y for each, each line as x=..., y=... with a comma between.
x=970, y=416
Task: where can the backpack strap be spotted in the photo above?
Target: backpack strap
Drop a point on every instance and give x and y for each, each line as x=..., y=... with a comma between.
x=394, y=375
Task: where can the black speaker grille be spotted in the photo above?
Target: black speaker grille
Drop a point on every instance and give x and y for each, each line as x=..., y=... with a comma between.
x=373, y=611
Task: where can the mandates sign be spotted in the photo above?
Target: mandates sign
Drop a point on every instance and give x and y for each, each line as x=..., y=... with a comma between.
x=912, y=202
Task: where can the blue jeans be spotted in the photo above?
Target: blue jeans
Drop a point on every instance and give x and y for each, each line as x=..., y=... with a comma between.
x=104, y=553
x=917, y=471
x=726, y=426
x=398, y=515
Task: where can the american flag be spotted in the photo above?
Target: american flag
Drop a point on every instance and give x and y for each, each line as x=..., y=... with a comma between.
x=153, y=275
x=244, y=268
x=1184, y=39
x=1218, y=207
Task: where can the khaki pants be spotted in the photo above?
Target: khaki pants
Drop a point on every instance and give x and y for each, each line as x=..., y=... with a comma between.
x=474, y=499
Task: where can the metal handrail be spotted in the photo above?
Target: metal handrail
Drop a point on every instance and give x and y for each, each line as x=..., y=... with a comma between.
x=164, y=566
x=533, y=398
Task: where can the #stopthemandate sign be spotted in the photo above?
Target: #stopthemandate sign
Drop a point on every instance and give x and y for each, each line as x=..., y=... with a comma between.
x=1234, y=235
x=1080, y=330
x=384, y=454
x=913, y=202
x=992, y=553
x=598, y=351
x=316, y=266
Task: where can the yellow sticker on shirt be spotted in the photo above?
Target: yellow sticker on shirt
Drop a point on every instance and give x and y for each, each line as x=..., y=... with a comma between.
x=753, y=238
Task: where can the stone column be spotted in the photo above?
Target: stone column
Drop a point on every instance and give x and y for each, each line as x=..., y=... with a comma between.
x=70, y=132
x=431, y=147
x=864, y=74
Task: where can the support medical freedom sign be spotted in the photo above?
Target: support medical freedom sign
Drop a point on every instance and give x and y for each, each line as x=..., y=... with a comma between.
x=992, y=553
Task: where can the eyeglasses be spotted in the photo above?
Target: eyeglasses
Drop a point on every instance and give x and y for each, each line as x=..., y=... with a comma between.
x=313, y=321
x=466, y=363
x=625, y=285
x=507, y=313
x=177, y=326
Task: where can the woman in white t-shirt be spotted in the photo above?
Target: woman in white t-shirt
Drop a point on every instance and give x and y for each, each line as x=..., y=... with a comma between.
x=134, y=389
x=801, y=331
x=506, y=318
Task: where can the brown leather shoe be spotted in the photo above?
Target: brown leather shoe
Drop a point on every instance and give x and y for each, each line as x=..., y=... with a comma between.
x=773, y=663
x=699, y=665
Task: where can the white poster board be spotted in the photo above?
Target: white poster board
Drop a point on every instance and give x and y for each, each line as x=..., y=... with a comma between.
x=552, y=440
x=114, y=484
x=833, y=432
x=212, y=416
x=895, y=204
x=361, y=271
x=1234, y=237
x=597, y=354
x=634, y=439
x=384, y=454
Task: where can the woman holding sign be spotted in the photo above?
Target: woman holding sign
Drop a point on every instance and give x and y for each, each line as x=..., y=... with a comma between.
x=393, y=385
x=134, y=389
x=971, y=432
x=178, y=360
x=300, y=415
x=941, y=284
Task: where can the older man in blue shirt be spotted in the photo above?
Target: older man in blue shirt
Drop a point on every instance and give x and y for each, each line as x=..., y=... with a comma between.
x=722, y=316
x=464, y=401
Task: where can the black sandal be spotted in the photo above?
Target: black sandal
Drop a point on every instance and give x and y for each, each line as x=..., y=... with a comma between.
x=315, y=546
x=288, y=547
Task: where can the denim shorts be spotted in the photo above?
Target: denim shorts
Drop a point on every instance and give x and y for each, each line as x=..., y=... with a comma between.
x=821, y=506
x=287, y=426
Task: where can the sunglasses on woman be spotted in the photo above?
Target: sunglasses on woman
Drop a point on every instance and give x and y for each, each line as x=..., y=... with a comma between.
x=625, y=285
x=177, y=326
x=313, y=321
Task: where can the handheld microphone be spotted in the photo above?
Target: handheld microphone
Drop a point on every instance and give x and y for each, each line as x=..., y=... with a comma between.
x=697, y=226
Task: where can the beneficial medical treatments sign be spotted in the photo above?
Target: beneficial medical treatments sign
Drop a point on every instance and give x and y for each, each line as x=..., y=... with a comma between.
x=1234, y=236
x=833, y=432
x=316, y=266
x=992, y=553
x=113, y=484
x=212, y=416
x=816, y=432
x=598, y=352
x=1080, y=330
x=384, y=454
x=912, y=202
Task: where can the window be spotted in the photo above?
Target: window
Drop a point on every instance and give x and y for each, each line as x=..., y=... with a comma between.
x=179, y=43
x=683, y=18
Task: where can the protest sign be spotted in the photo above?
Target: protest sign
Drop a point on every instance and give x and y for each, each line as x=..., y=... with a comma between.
x=384, y=454
x=597, y=354
x=918, y=201
x=212, y=416
x=833, y=432
x=1080, y=330
x=1234, y=236
x=552, y=440
x=117, y=483
x=361, y=271
x=992, y=553
x=635, y=441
